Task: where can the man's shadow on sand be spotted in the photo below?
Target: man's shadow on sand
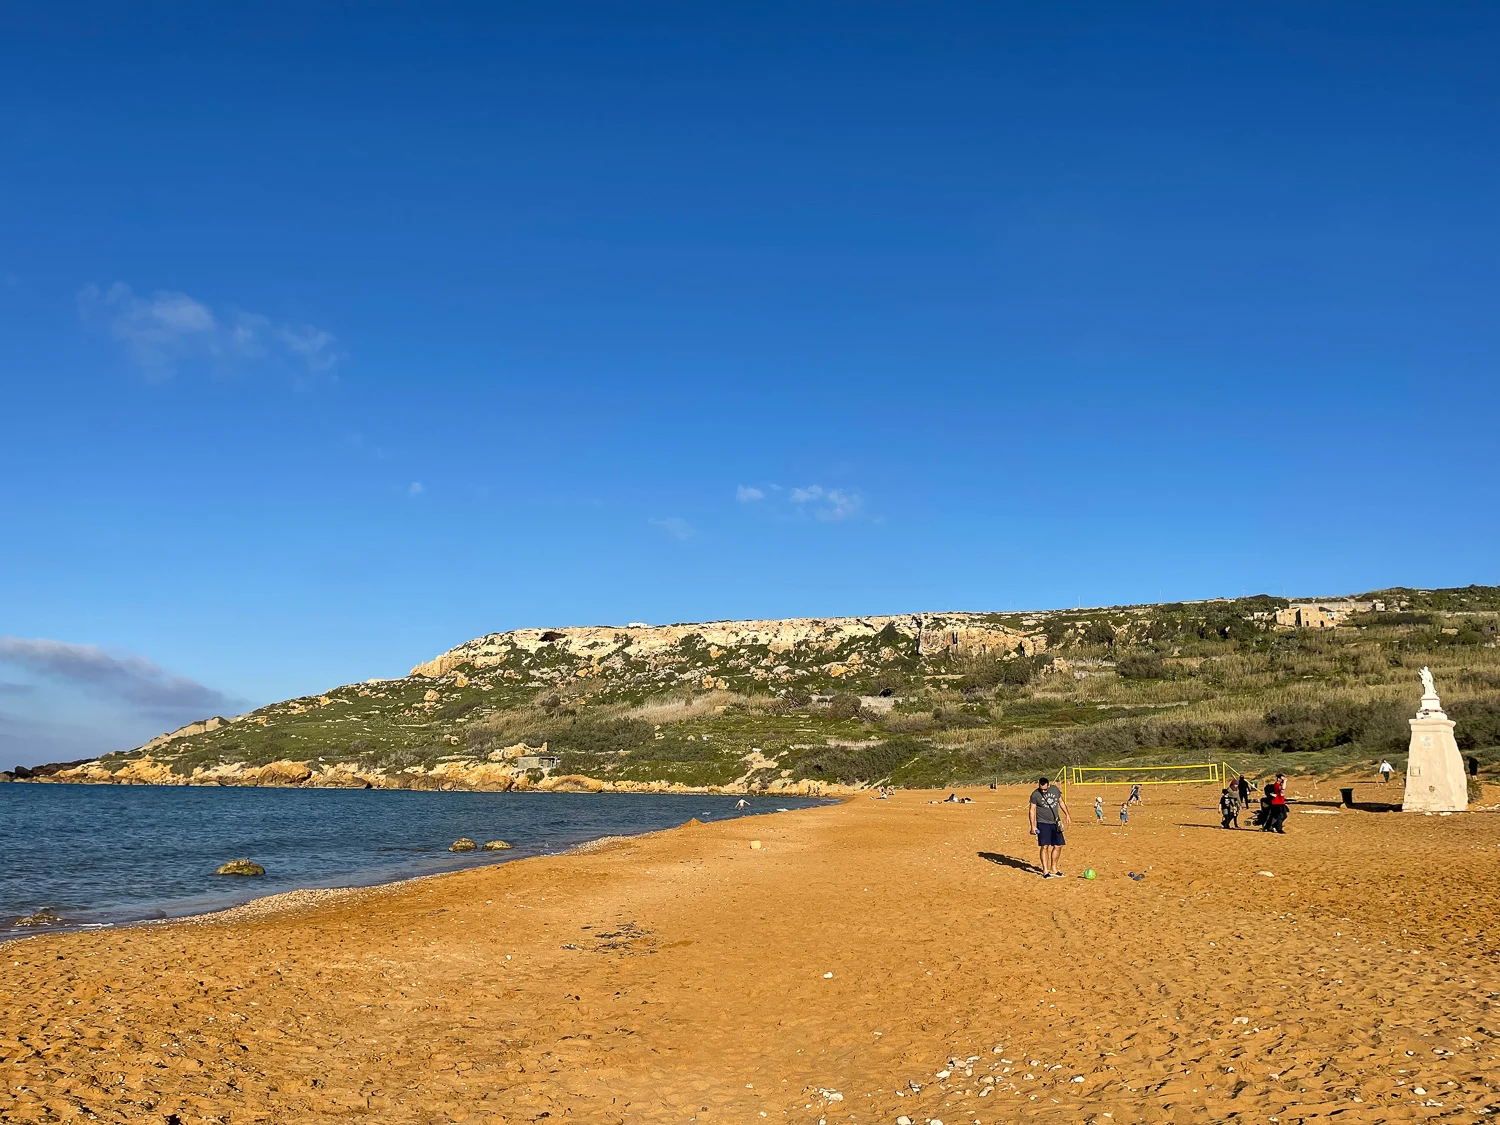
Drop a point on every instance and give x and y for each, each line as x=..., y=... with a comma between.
x=1010, y=861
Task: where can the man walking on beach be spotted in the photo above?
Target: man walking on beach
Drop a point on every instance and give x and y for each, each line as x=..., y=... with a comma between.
x=1047, y=813
x=1244, y=792
x=1386, y=769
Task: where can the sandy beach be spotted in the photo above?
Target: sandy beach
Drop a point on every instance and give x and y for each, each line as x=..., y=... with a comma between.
x=869, y=961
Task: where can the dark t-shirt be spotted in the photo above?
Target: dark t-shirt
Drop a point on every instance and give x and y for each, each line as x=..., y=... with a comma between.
x=1046, y=804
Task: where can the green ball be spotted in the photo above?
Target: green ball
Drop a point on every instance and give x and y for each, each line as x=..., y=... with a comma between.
x=1089, y=874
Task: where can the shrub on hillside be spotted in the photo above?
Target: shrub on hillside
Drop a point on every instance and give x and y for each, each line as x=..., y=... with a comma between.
x=1378, y=727
x=1478, y=723
x=843, y=706
x=853, y=764
x=603, y=736
x=1142, y=666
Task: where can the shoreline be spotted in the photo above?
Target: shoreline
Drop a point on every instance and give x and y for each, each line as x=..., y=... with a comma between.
x=292, y=902
x=302, y=898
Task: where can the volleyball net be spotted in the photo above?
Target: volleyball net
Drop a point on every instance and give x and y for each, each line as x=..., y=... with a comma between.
x=1192, y=773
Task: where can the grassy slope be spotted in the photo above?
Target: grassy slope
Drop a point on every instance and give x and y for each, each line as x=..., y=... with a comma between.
x=1203, y=682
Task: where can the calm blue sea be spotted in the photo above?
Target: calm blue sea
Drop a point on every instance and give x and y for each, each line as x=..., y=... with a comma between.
x=103, y=855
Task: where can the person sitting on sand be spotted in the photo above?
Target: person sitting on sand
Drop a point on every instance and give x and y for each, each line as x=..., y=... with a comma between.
x=951, y=799
x=1229, y=808
x=1099, y=810
x=1047, y=811
x=1263, y=816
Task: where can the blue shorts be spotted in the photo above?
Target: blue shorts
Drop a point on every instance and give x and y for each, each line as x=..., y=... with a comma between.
x=1049, y=836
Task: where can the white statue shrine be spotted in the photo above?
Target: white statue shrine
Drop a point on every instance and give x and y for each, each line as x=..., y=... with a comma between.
x=1431, y=705
x=1435, y=778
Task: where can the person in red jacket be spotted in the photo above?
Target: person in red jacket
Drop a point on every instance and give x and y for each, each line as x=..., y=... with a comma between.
x=1278, y=804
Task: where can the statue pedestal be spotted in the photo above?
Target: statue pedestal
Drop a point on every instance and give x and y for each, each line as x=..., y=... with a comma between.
x=1435, y=778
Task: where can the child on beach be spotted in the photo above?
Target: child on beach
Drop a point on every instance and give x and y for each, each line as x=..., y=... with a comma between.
x=1125, y=811
x=1099, y=809
x=1229, y=808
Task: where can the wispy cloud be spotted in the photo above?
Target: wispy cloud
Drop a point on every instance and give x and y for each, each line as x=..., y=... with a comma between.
x=127, y=678
x=747, y=495
x=674, y=526
x=415, y=488
x=831, y=505
x=162, y=331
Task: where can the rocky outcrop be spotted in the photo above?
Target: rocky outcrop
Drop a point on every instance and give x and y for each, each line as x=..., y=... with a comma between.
x=282, y=773
x=241, y=867
x=570, y=783
x=46, y=916
x=966, y=633
x=463, y=844
x=186, y=732
x=457, y=774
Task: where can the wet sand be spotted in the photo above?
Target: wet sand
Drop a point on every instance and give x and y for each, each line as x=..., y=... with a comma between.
x=686, y=976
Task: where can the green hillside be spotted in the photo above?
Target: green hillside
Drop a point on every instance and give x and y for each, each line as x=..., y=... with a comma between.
x=913, y=701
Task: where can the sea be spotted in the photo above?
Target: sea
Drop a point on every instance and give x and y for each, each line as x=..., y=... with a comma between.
x=108, y=855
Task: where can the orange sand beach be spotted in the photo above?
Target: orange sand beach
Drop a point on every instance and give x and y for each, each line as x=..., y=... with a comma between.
x=870, y=962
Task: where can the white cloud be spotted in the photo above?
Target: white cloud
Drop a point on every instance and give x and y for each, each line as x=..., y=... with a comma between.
x=69, y=701
x=415, y=488
x=832, y=505
x=674, y=526
x=746, y=495
x=841, y=505
x=130, y=679
x=167, y=329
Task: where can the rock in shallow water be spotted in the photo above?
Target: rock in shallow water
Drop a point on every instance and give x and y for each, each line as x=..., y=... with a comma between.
x=462, y=844
x=495, y=845
x=46, y=916
x=241, y=867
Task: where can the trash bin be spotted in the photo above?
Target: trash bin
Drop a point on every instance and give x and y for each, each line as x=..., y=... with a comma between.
x=1348, y=796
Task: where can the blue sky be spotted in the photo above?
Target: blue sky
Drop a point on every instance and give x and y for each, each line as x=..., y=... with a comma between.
x=332, y=336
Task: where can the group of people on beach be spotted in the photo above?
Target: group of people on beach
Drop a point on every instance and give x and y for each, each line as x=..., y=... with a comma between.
x=1047, y=812
x=1272, y=814
x=1133, y=799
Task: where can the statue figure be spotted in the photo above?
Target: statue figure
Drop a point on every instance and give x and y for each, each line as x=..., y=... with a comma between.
x=1428, y=687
